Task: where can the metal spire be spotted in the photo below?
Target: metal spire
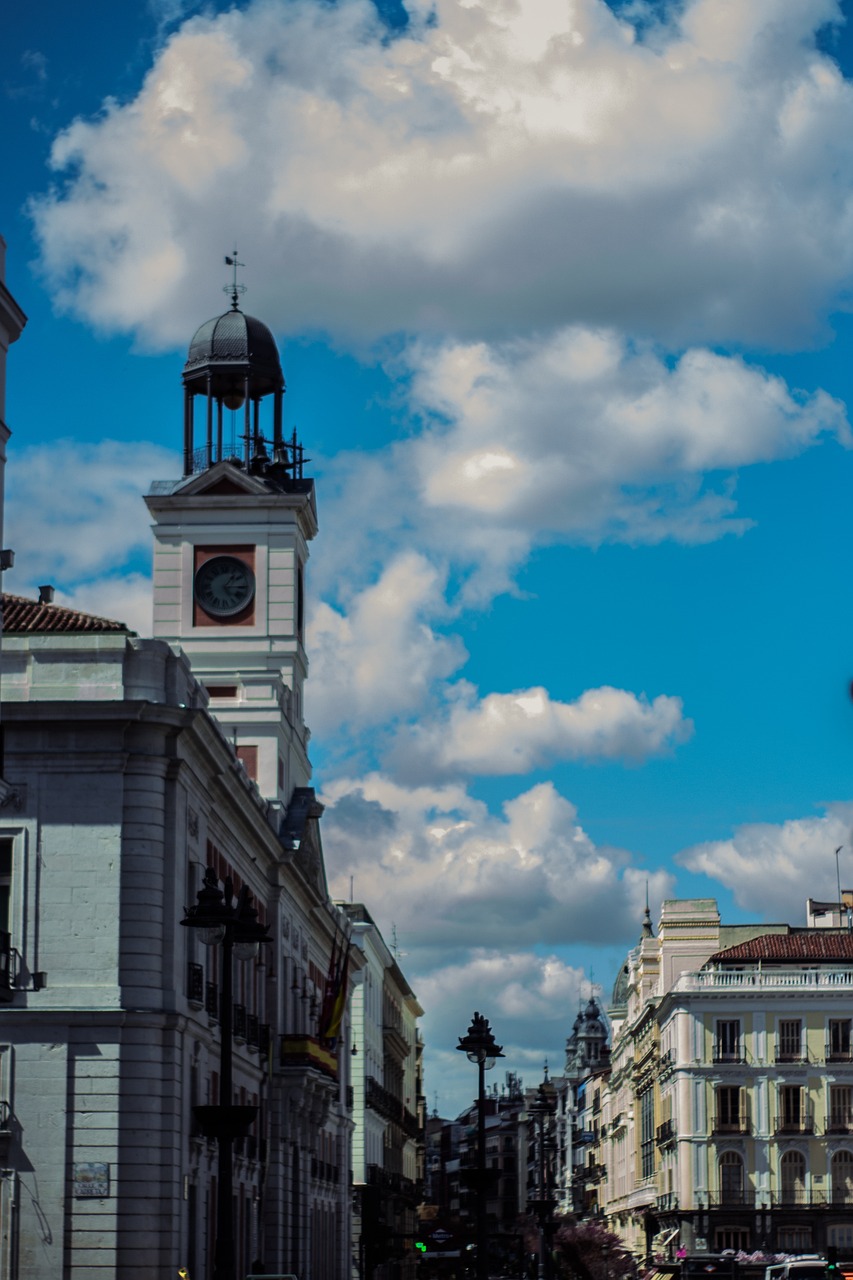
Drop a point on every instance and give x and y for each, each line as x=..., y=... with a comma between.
x=234, y=288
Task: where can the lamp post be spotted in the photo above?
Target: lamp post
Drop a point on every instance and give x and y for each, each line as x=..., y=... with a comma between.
x=540, y=1112
x=234, y=927
x=479, y=1046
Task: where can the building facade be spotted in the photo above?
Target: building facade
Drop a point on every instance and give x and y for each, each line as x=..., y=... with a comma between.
x=729, y=1107
x=133, y=766
x=388, y=1109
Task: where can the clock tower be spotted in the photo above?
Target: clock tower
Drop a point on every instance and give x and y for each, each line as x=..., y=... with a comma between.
x=230, y=547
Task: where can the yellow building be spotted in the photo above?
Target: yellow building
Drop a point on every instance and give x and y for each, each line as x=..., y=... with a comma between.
x=729, y=1109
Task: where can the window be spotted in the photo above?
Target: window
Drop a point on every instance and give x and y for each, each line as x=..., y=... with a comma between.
x=727, y=1048
x=795, y=1239
x=838, y=1048
x=840, y=1108
x=789, y=1046
x=731, y=1178
x=6, y=884
x=731, y=1238
x=790, y=1107
x=6, y=848
x=647, y=1133
x=248, y=757
x=792, y=1178
x=730, y=1109
x=842, y=1178
x=841, y=1235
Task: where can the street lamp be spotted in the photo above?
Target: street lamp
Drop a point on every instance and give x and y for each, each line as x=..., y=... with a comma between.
x=479, y=1046
x=234, y=927
x=540, y=1112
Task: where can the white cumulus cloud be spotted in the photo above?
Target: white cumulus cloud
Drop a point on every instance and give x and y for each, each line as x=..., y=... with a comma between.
x=530, y=874
x=500, y=166
x=773, y=868
x=505, y=733
x=75, y=515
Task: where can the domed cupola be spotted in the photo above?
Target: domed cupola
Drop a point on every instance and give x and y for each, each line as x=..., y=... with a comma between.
x=233, y=363
x=232, y=348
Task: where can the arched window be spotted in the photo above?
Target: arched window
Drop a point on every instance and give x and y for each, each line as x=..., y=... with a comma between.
x=792, y=1176
x=731, y=1178
x=842, y=1177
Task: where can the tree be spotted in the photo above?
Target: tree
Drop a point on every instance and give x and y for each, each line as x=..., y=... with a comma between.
x=588, y=1251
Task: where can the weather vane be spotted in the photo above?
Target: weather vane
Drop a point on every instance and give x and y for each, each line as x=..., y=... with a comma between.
x=234, y=288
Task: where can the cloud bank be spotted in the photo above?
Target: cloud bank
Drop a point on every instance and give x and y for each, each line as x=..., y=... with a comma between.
x=500, y=166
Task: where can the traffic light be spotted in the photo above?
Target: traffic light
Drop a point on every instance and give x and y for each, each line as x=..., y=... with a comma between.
x=833, y=1271
x=420, y=1246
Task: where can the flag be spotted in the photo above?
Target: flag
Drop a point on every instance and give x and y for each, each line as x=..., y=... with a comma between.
x=335, y=995
x=229, y=262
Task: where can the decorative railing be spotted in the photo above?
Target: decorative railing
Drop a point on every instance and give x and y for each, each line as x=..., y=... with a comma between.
x=765, y=979
x=727, y=1124
x=722, y=1054
x=252, y=1031
x=732, y=1197
x=665, y=1132
x=792, y=1054
x=794, y=1124
x=382, y=1101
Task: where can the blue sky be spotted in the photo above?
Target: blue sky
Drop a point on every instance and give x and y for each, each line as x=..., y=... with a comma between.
x=562, y=292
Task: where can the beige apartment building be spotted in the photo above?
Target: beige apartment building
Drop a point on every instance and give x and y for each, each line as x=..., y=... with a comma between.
x=728, y=1113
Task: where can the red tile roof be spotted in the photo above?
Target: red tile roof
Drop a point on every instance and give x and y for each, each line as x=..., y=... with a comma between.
x=822, y=945
x=28, y=617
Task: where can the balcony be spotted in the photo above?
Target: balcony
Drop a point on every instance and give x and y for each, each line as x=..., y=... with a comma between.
x=665, y=1133
x=307, y=1052
x=839, y=1053
x=839, y=1124
x=723, y=1054
x=732, y=1197
x=730, y=1124
x=383, y=1102
x=786, y=1125
x=793, y=1055
x=252, y=1031
x=785, y=978
x=239, y=1022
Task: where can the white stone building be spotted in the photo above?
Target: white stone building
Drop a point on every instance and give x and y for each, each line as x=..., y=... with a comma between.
x=131, y=771
x=388, y=1107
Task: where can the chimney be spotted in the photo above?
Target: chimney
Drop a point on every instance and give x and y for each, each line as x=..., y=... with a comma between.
x=46, y=594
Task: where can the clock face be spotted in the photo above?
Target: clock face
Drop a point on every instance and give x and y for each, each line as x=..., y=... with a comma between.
x=224, y=586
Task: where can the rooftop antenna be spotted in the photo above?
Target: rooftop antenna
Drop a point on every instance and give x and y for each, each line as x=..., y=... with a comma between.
x=234, y=288
x=395, y=950
x=838, y=881
x=351, y=884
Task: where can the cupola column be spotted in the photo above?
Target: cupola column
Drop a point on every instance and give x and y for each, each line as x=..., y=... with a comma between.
x=209, y=420
x=188, y=431
x=276, y=428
